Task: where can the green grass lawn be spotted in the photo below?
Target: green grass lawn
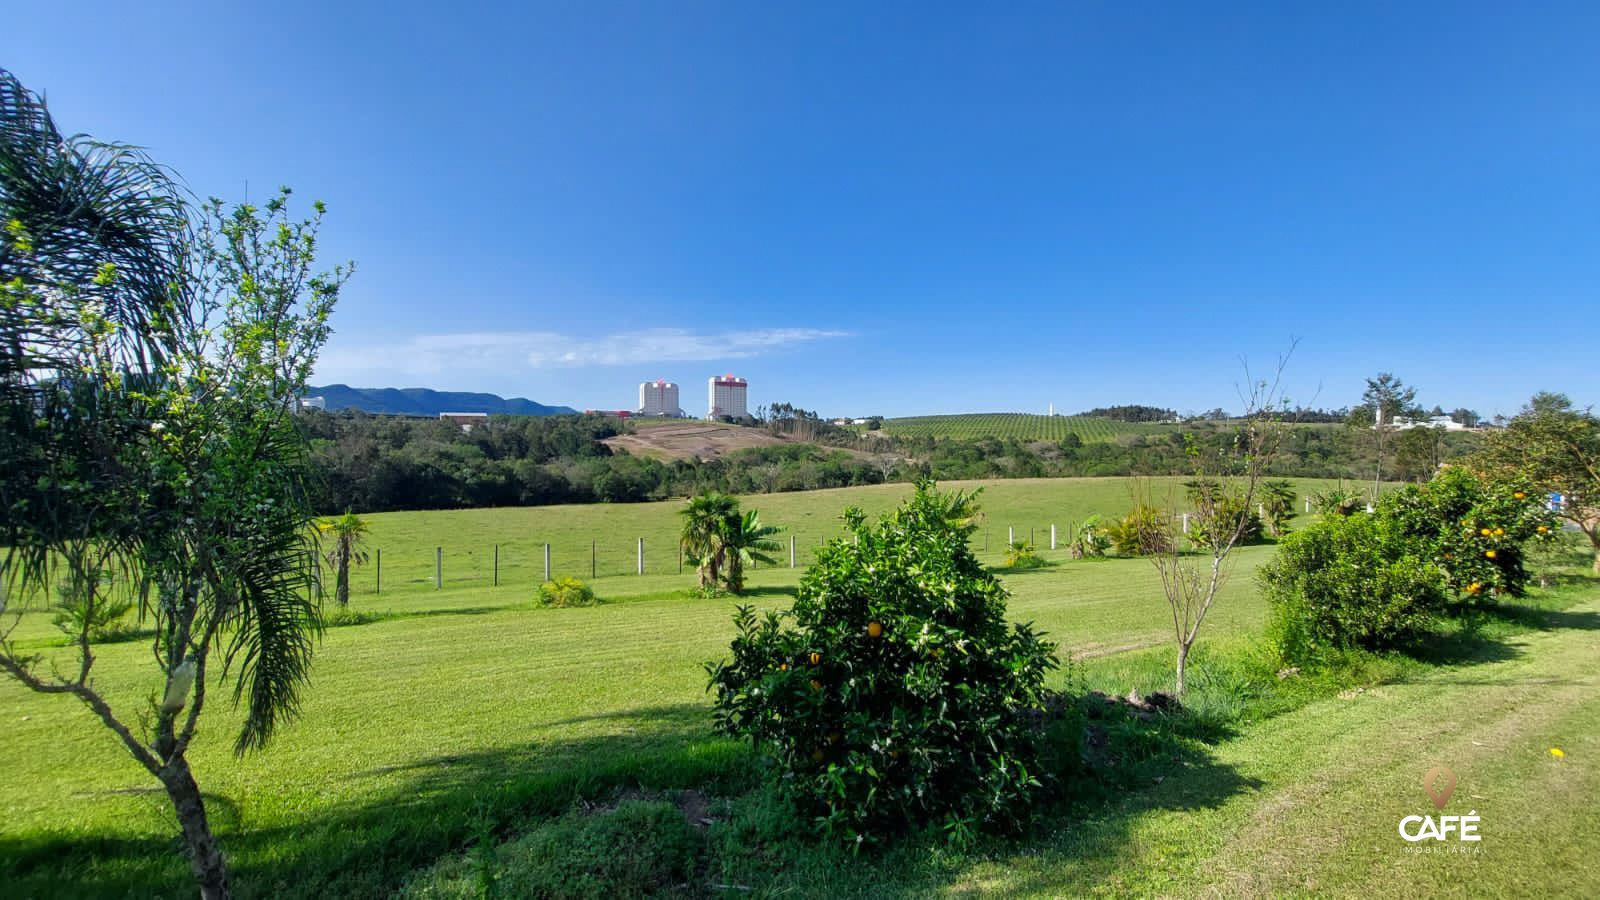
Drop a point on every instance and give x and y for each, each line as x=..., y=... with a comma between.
x=469, y=708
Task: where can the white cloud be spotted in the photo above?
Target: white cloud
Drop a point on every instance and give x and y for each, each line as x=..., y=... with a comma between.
x=503, y=351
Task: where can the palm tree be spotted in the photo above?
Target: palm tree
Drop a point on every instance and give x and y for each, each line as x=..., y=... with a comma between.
x=704, y=529
x=348, y=531
x=122, y=379
x=747, y=541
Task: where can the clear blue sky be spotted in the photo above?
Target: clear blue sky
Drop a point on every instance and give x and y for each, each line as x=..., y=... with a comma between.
x=895, y=208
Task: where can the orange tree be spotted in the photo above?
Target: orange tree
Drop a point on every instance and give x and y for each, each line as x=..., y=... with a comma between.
x=900, y=697
x=1472, y=528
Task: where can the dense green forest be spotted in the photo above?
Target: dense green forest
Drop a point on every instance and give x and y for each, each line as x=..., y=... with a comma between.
x=378, y=463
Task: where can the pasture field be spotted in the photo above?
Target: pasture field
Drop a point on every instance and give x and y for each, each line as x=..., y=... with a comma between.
x=1018, y=426
x=467, y=711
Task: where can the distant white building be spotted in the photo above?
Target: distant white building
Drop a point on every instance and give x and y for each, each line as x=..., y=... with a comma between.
x=659, y=398
x=1402, y=423
x=464, y=420
x=727, y=396
x=314, y=403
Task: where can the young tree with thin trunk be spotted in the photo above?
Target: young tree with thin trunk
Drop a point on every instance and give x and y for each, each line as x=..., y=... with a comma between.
x=1385, y=399
x=150, y=355
x=1228, y=483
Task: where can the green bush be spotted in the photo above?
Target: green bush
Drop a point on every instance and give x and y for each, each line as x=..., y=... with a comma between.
x=1350, y=582
x=1089, y=540
x=1477, y=532
x=901, y=696
x=1022, y=555
x=1141, y=532
x=1216, y=521
x=86, y=604
x=566, y=591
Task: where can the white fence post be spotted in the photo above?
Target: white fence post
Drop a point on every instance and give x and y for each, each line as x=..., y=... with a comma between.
x=641, y=556
x=546, y=562
x=791, y=551
x=1052, y=535
x=1185, y=523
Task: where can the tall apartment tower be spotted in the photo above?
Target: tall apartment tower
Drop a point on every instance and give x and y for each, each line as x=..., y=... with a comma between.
x=725, y=396
x=659, y=398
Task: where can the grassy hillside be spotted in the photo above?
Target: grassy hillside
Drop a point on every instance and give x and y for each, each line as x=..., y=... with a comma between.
x=467, y=708
x=1019, y=426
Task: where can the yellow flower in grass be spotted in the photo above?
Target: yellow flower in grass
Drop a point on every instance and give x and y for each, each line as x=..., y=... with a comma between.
x=1558, y=753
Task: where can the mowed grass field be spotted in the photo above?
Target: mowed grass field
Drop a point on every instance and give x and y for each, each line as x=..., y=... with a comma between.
x=467, y=706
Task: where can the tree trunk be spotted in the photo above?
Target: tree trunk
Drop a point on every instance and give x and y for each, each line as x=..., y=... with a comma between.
x=1183, y=666
x=205, y=856
x=341, y=591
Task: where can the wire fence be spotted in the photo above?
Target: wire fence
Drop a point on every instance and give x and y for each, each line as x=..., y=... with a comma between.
x=528, y=562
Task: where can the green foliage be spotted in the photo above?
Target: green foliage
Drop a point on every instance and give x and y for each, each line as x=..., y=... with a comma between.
x=1022, y=555
x=642, y=848
x=900, y=697
x=1142, y=532
x=1089, y=540
x=1474, y=530
x=1338, y=501
x=1221, y=515
x=1277, y=501
x=721, y=541
x=1552, y=447
x=1350, y=582
x=566, y=591
x=84, y=608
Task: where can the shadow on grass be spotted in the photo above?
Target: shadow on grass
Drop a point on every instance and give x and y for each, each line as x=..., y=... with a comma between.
x=430, y=809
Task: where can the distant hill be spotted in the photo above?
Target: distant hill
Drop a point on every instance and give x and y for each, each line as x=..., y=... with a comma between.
x=425, y=402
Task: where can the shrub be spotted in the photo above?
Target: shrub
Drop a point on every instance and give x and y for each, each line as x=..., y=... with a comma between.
x=566, y=591
x=901, y=696
x=1141, y=532
x=1474, y=530
x=1090, y=540
x=1349, y=582
x=1217, y=519
x=1338, y=502
x=86, y=605
x=1022, y=555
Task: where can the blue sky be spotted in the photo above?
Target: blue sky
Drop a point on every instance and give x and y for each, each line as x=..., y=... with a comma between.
x=895, y=208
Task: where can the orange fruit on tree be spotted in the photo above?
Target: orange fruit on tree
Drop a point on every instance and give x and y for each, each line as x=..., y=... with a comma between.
x=1519, y=495
x=1485, y=532
x=816, y=658
x=1489, y=553
x=874, y=630
x=1499, y=531
x=1543, y=529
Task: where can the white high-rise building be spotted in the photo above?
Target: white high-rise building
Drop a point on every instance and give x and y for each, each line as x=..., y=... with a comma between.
x=659, y=398
x=725, y=396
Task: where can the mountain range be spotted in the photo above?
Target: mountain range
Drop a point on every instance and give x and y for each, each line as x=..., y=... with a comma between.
x=426, y=402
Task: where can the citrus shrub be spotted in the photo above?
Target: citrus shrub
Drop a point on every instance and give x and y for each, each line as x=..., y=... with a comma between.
x=1477, y=531
x=566, y=591
x=899, y=696
x=1346, y=582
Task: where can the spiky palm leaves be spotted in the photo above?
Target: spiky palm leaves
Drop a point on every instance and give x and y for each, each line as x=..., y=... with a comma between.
x=746, y=541
x=721, y=541
x=348, y=533
x=704, y=532
x=122, y=429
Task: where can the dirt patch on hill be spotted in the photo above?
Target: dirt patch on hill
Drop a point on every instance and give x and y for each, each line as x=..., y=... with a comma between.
x=690, y=440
